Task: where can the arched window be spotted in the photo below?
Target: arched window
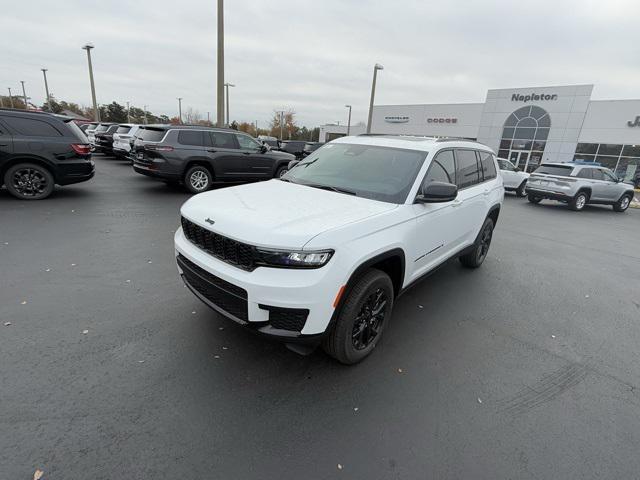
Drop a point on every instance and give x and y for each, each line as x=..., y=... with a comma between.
x=524, y=137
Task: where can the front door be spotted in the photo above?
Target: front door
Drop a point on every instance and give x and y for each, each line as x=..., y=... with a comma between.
x=519, y=158
x=259, y=165
x=229, y=164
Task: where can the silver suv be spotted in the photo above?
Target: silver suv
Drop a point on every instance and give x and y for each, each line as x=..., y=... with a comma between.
x=578, y=185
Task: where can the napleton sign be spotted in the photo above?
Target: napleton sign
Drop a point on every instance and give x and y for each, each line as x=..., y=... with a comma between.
x=536, y=97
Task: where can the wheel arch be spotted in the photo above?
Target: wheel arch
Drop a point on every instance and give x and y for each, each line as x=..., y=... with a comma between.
x=22, y=159
x=199, y=162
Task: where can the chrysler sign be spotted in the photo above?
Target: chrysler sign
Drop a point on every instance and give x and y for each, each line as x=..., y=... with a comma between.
x=536, y=97
x=396, y=119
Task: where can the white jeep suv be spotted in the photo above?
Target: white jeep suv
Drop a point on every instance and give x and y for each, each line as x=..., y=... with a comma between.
x=321, y=254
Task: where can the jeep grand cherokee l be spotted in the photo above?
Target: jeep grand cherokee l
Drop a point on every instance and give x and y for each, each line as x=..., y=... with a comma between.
x=198, y=156
x=373, y=215
x=578, y=185
x=38, y=150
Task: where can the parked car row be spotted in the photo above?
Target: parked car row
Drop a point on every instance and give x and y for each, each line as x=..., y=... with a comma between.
x=299, y=148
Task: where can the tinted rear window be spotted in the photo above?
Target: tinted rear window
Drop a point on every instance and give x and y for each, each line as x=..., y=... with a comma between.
x=467, y=173
x=32, y=127
x=554, y=170
x=191, y=137
x=77, y=132
x=123, y=129
x=151, y=134
x=102, y=128
x=488, y=167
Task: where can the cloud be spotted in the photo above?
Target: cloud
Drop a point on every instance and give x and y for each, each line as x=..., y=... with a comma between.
x=315, y=56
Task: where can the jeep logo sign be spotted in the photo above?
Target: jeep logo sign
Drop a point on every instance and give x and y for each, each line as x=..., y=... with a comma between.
x=634, y=123
x=516, y=97
x=442, y=120
x=396, y=119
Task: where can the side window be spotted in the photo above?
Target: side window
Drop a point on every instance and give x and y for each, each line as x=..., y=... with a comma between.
x=467, y=172
x=584, y=173
x=442, y=168
x=191, y=137
x=247, y=143
x=597, y=174
x=488, y=167
x=609, y=176
x=31, y=127
x=223, y=140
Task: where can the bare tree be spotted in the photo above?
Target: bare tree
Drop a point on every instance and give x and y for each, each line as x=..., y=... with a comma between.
x=192, y=116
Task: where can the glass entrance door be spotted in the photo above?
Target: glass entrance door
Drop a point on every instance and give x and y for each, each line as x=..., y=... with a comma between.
x=519, y=158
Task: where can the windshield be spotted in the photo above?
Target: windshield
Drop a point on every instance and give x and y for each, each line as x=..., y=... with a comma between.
x=379, y=173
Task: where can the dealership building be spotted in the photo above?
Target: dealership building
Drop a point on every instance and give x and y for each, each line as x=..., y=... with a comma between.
x=528, y=126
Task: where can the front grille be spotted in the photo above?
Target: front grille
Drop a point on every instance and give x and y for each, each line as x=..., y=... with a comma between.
x=292, y=319
x=230, y=251
x=227, y=296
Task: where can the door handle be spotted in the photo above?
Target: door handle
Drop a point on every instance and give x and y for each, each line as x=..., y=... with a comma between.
x=246, y=153
x=456, y=203
x=212, y=150
x=486, y=192
x=4, y=144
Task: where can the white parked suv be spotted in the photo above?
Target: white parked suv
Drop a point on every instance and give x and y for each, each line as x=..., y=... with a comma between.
x=513, y=178
x=320, y=255
x=122, y=137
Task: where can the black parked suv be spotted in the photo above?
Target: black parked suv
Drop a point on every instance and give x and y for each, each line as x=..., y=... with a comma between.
x=38, y=150
x=199, y=156
x=294, y=147
x=104, y=139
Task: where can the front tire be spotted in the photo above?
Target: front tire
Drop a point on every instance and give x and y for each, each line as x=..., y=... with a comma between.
x=281, y=171
x=578, y=202
x=533, y=199
x=520, y=192
x=622, y=204
x=362, y=318
x=198, y=179
x=28, y=181
x=475, y=257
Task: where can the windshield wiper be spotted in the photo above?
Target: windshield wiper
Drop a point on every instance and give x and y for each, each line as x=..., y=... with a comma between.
x=331, y=188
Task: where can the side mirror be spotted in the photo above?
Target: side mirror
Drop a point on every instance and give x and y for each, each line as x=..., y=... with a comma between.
x=437, y=192
x=264, y=148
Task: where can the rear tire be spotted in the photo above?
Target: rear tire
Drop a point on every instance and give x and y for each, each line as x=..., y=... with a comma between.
x=28, y=181
x=363, y=316
x=520, y=192
x=622, y=204
x=198, y=179
x=475, y=257
x=533, y=199
x=578, y=202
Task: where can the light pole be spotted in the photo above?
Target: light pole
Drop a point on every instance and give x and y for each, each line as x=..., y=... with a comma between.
x=209, y=118
x=281, y=122
x=376, y=67
x=96, y=112
x=220, y=86
x=144, y=108
x=180, y=109
x=349, y=121
x=227, y=85
x=128, y=110
x=24, y=95
x=10, y=97
x=46, y=88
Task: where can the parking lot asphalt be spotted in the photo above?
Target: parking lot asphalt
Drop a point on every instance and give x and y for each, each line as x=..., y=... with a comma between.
x=526, y=368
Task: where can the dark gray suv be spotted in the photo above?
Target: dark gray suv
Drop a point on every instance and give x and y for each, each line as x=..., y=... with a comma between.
x=199, y=156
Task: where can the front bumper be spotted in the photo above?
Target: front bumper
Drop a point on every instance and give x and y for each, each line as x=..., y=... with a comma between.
x=254, y=299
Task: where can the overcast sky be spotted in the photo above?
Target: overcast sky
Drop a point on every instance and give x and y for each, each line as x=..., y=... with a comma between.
x=317, y=56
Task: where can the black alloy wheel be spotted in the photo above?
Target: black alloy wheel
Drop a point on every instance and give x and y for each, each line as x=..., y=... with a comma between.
x=29, y=181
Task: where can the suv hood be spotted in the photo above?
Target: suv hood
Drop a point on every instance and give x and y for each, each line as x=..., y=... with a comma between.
x=278, y=214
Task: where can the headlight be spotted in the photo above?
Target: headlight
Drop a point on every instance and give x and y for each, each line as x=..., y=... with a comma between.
x=284, y=259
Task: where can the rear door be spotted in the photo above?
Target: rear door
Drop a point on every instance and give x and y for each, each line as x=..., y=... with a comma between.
x=229, y=163
x=259, y=164
x=471, y=204
x=508, y=172
x=6, y=145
